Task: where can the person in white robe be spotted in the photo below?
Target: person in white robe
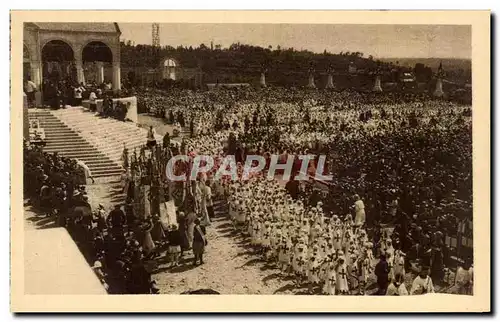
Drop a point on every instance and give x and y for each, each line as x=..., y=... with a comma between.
x=399, y=263
x=313, y=268
x=337, y=239
x=284, y=257
x=397, y=287
x=422, y=284
x=366, y=271
x=299, y=259
x=266, y=238
x=464, y=279
x=359, y=209
x=275, y=241
x=330, y=283
x=342, y=274
x=354, y=271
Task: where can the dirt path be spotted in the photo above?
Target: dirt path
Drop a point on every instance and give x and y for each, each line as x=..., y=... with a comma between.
x=230, y=267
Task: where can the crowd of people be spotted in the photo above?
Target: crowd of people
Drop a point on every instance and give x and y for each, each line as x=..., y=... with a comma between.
x=111, y=242
x=408, y=156
x=402, y=183
x=61, y=92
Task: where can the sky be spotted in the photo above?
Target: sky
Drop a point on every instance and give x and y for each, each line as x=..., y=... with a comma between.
x=380, y=41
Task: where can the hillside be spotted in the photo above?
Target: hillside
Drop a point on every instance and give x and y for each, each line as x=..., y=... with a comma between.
x=448, y=63
x=284, y=66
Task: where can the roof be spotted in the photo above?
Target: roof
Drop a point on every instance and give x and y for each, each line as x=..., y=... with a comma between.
x=99, y=27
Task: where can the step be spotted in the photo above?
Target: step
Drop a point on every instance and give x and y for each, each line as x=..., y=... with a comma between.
x=86, y=121
x=56, y=139
x=94, y=158
x=48, y=120
x=70, y=148
x=61, y=130
x=107, y=173
x=74, y=154
x=109, y=166
x=116, y=134
x=52, y=126
x=97, y=162
x=73, y=147
x=112, y=128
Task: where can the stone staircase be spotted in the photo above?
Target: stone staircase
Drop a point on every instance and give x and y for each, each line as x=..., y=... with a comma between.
x=108, y=135
x=68, y=143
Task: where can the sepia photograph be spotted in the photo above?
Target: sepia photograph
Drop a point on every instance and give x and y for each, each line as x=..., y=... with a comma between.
x=221, y=158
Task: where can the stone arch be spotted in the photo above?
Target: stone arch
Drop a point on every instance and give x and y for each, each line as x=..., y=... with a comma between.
x=62, y=39
x=97, y=58
x=106, y=48
x=67, y=52
x=170, y=68
x=58, y=59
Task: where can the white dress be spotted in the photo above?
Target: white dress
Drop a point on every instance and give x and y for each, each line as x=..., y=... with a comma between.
x=313, y=271
x=359, y=207
x=299, y=258
x=342, y=284
x=330, y=281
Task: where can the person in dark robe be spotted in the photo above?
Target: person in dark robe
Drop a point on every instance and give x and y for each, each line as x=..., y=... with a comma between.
x=174, y=240
x=117, y=218
x=437, y=264
x=171, y=117
x=140, y=278
x=199, y=242
x=191, y=128
x=129, y=212
x=382, y=273
x=166, y=140
x=292, y=186
x=157, y=233
x=182, y=221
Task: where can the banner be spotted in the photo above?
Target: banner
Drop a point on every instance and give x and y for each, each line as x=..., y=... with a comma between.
x=167, y=214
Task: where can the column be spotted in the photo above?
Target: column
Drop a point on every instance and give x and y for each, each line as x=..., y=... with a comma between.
x=80, y=76
x=36, y=77
x=311, y=83
x=26, y=123
x=36, y=73
x=100, y=72
x=116, y=77
x=378, y=85
x=438, y=92
x=329, y=82
x=263, y=79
